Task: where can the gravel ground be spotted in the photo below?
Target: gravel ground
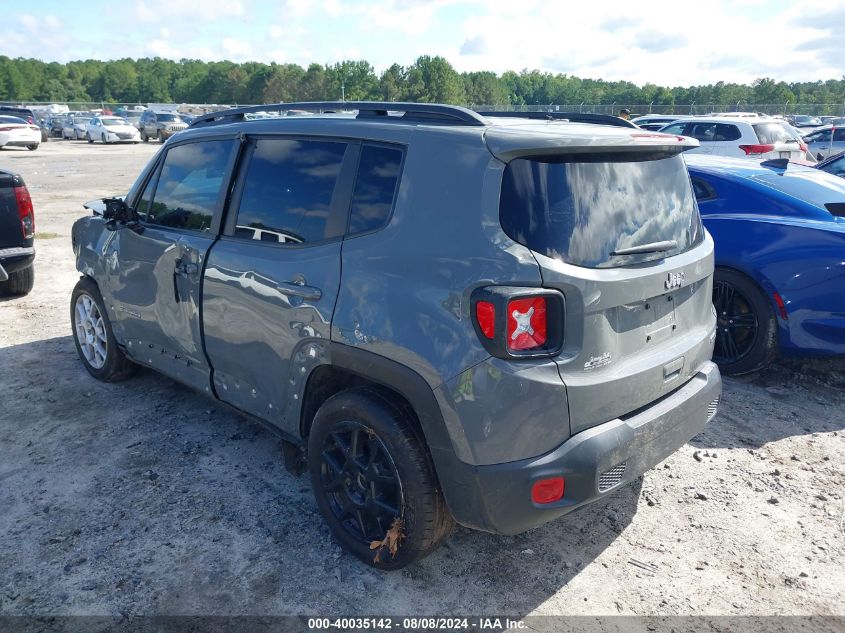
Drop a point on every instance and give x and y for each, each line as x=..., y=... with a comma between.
x=146, y=498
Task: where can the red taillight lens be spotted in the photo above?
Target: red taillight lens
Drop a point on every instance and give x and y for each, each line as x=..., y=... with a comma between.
x=547, y=490
x=803, y=146
x=25, y=211
x=485, y=314
x=750, y=150
x=9, y=128
x=527, y=328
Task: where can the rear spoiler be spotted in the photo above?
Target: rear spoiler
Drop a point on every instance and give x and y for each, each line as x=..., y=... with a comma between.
x=509, y=142
x=572, y=117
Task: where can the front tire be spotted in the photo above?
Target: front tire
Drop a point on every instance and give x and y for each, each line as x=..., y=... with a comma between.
x=746, y=328
x=19, y=282
x=372, y=477
x=104, y=139
x=89, y=138
x=32, y=147
x=93, y=336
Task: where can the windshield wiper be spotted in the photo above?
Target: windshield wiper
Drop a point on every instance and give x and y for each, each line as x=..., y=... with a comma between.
x=653, y=247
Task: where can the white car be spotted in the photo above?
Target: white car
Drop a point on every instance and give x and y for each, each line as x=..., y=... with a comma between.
x=760, y=138
x=15, y=132
x=111, y=129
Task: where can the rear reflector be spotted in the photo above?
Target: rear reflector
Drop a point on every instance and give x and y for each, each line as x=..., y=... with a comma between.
x=527, y=327
x=781, y=306
x=751, y=150
x=547, y=490
x=485, y=314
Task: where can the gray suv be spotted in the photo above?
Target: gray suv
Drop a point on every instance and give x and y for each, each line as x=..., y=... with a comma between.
x=160, y=125
x=447, y=316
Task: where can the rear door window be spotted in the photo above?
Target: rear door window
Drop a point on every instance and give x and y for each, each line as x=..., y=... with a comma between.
x=580, y=209
x=288, y=189
x=726, y=132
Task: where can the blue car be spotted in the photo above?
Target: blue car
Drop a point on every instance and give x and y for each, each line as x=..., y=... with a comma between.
x=779, y=230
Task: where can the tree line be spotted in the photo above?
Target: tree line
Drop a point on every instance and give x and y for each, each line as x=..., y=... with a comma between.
x=428, y=79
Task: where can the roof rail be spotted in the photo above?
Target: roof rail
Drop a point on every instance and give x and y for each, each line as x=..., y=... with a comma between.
x=574, y=117
x=426, y=112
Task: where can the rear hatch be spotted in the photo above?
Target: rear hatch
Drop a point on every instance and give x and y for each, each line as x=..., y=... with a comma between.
x=613, y=224
x=777, y=140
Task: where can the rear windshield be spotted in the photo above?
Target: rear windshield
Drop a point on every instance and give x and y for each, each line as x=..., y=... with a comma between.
x=818, y=189
x=774, y=133
x=580, y=209
x=11, y=119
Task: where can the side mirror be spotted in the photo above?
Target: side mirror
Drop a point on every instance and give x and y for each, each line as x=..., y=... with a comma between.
x=118, y=214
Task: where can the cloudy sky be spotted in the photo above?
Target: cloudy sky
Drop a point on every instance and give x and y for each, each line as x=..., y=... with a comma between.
x=663, y=42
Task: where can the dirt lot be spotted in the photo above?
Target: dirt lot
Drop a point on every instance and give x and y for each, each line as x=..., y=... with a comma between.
x=143, y=497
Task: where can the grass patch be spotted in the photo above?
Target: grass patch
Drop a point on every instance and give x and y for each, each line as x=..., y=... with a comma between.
x=44, y=235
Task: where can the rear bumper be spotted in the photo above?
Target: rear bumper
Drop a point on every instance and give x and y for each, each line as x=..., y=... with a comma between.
x=497, y=498
x=14, y=259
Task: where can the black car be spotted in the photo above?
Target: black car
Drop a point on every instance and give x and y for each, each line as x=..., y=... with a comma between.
x=17, y=234
x=27, y=115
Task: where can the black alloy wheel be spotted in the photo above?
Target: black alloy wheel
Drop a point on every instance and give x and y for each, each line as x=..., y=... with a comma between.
x=746, y=327
x=736, y=324
x=360, y=481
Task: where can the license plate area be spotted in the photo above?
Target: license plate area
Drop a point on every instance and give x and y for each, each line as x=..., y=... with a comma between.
x=662, y=323
x=641, y=324
x=785, y=154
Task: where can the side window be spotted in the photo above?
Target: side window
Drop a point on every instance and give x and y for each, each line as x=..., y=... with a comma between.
x=287, y=191
x=823, y=135
x=703, y=131
x=675, y=128
x=727, y=132
x=375, y=188
x=142, y=206
x=189, y=184
x=702, y=190
x=839, y=135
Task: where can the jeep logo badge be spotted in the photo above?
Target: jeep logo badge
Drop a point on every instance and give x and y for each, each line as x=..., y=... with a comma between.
x=675, y=280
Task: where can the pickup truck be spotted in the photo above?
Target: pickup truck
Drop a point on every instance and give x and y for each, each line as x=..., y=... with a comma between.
x=17, y=234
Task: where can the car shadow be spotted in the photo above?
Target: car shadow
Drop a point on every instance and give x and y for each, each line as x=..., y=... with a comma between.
x=789, y=398
x=144, y=497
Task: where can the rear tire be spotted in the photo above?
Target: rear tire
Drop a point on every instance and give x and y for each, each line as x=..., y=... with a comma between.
x=32, y=147
x=93, y=336
x=363, y=485
x=19, y=282
x=746, y=327
x=144, y=136
x=89, y=139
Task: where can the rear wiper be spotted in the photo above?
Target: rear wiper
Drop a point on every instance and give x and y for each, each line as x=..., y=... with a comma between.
x=654, y=247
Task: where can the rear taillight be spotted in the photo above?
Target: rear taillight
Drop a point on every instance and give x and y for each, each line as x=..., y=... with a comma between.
x=25, y=211
x=517, y=322
x=9, y=128
x=803, y=146
x=527, y=326
x=485, y=316
x=751, y=150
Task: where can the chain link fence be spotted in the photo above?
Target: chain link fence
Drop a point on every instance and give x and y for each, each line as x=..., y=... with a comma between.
x=636, y=109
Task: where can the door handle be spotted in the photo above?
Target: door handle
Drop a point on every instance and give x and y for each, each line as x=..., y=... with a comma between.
x=184, y=268
x=302, y=291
